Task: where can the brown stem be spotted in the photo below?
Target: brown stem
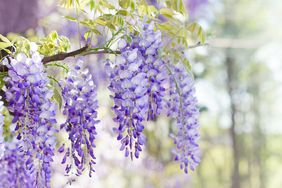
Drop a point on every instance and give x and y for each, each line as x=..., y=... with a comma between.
x=61, y=56
x=82, y=51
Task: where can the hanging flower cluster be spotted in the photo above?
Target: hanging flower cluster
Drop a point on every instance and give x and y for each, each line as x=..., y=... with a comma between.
x=80, y=107
x=137, y=83
x=138, y=80
x=14, y=172
x=30, y=103
x=182, y=106
x=143, y=86
x=2, y=144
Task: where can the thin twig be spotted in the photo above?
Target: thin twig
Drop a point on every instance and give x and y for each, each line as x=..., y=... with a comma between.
x=198, y=45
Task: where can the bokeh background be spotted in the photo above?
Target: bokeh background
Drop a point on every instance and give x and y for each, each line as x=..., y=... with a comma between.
x=239, y=87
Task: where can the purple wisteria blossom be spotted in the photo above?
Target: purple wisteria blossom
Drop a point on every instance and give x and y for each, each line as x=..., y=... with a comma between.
x=182, y=106
x=30, y=103
x=14, y=171
x=80, y=107
x=2, y=146
x=136, y=83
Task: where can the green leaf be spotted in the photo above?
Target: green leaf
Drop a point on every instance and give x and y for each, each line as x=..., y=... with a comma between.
x=196, y=29
x=122, y=12
x=100, y=21
x=53, y=44
x=177, y=5
x=152, y=9
x=86, y=22
x=132, y=5
x=7, y=122
x=92, y=4
x=97, y=32
x=4, y=39
x=124, y=3
x=128, y=39
x=118, y=20
x=107, y=4
x=87, y=34
x=67, y=3
x=4, y=45
x=166, y=12
x=54, y=35
x=165, y=26
x=142, y=10
x=187, y=64
x=57, y=97
x=70, y=18
x=111, y=26
x=77, y=2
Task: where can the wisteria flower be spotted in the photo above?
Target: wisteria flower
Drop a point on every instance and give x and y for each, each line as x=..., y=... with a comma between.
x=182, y=106
x=34, y=113
x=80, y=107
x=137, y=77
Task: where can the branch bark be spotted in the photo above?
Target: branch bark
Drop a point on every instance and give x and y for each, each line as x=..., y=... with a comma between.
x=82, y=51
x=61, y=56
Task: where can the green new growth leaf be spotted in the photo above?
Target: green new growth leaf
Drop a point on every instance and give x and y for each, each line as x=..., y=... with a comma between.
x=197, y=30
x=187, y=64
x=54, y=35
x=71, y=3
x=166, y=12
x=70, y=18
x=91, y=4
x=176, y=5
x=66, y=3
x=54, y=83
x=148, y=11
x=111, y=26
x=122, y=12
x=53, y=44
x=107, y=4
x=124, y=3
x=4, y=39
x=7, y=122
x=87, y=34
x=100, y=21
x=4, y=45
x=57, y=97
